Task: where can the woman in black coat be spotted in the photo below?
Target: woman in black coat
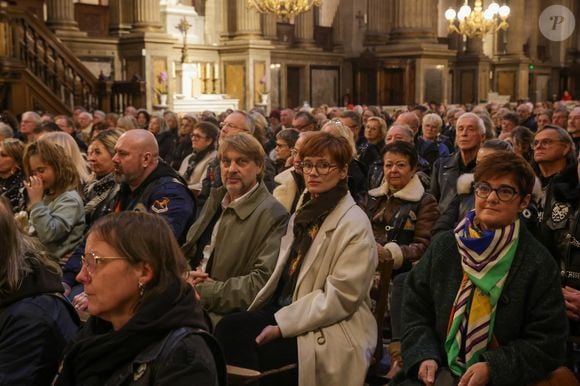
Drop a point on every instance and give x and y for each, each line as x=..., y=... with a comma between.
x=484, y=305
x=36, y=321
x=146, y=325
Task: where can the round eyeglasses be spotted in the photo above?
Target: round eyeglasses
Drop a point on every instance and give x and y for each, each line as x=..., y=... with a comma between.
x=504, y=193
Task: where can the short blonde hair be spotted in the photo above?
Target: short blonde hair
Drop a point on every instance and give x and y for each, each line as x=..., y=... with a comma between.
x=381, y=122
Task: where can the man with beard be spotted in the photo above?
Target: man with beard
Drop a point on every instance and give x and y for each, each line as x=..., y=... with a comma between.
x=234, y=244
x=150, y=185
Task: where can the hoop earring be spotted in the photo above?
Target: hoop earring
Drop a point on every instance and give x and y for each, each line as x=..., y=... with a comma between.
x=141, y=289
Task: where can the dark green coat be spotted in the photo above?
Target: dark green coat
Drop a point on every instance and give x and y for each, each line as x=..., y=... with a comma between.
x=530, y=326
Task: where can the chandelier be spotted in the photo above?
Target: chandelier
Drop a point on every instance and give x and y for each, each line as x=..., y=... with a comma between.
x=477, y=22
x=285, y=9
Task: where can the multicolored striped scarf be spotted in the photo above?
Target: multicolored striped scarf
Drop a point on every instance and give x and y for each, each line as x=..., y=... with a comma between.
x=486, y=258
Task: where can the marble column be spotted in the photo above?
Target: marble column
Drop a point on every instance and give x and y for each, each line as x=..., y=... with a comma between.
x=146, y=16
x=61, y=15
x=414, y=20
x=338, y=29
x=120, y=17
x=304, y=29
x=534, y=13
x=378, y=25
x=270, y=23
x=515, y=33
x=247, y=21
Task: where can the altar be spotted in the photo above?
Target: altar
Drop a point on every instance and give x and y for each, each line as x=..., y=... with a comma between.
x=212, y=102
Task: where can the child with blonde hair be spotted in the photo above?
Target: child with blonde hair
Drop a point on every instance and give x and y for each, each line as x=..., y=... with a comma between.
x=56, y=210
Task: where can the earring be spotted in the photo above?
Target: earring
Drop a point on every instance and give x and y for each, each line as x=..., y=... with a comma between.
x=141, y=289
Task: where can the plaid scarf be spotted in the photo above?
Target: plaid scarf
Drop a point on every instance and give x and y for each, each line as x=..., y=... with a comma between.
x=486, y=258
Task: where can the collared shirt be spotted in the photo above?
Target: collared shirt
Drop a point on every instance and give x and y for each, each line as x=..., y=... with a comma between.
x=227, y=202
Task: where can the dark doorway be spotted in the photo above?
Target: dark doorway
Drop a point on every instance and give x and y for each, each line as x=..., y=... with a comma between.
x=293, y=87
x=366, y=86
x=392, y=89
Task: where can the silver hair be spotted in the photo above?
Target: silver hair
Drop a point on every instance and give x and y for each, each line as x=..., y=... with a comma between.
x=6, y=131
x=477, y=118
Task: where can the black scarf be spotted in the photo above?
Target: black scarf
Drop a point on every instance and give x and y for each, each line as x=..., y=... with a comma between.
x=307, y=222
x=194, y=160
x=97, y=191
x=98, y=351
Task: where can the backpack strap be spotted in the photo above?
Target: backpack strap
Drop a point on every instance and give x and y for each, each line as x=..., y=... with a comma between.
x=181, y=333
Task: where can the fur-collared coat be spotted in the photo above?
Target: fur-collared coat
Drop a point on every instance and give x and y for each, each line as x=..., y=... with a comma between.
x=381, y=208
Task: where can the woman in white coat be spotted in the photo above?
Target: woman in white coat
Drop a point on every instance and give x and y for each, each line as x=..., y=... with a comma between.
x=315, y=309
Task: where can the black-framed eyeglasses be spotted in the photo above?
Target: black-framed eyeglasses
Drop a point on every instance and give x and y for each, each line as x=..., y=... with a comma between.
x=91, y=260
x=504, y=193
x=322, y=167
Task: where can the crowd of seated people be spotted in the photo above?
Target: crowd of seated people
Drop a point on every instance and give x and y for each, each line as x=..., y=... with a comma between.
x=186, y=242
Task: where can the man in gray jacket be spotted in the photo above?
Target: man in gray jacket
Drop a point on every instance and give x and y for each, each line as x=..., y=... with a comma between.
x=234, y=244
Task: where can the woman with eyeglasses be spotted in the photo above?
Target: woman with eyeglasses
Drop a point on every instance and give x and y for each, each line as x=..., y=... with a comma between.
x=484, y=304
x=315, y=309
x=146, y=326
x=203, y=142
x=285, y=141
x=402, y=214
x=181, y=138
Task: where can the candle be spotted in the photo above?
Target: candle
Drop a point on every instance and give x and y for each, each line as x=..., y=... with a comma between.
x=216, y=72
x=208, y=71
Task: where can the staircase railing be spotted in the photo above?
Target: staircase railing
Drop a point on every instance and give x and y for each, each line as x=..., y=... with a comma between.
x=115, y=95
x=26, y=43
x=33, y=44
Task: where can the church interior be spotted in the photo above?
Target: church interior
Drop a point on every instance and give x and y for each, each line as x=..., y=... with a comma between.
x=195, y=55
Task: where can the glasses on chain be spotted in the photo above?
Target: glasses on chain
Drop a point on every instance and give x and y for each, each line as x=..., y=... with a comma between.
x=92, y=260
x=322, y=167
x=504, y=193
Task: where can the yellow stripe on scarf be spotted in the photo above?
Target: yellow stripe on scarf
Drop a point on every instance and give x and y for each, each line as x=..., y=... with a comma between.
x=480, y=308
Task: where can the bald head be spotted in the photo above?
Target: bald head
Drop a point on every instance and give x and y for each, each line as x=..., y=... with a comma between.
x=141, y=140
x=409, y=119
x=136, y=157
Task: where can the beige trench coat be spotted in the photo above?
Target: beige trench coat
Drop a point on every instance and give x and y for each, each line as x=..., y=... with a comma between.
x=330, y=313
